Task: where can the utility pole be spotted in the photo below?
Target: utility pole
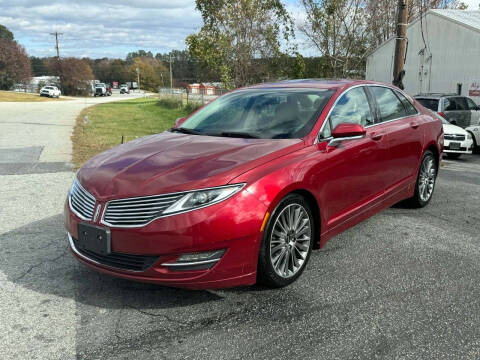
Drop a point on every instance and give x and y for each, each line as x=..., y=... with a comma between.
x=56, y=33
x=400, y=44
x=59, y=72
x=171, y=76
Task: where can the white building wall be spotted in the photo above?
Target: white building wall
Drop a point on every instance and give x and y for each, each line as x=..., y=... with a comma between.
x=452, y=57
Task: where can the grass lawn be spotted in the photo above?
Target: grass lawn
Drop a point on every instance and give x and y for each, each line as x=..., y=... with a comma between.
x=10, y=96
x=108, y=122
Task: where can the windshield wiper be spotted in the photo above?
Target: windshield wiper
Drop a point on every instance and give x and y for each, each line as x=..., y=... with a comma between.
x=238, y=134
x=186, y=131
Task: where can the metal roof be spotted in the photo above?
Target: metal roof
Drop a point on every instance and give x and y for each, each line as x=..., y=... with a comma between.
x=465, y=17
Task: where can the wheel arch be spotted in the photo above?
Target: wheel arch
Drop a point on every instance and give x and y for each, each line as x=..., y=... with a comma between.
x=436, y=154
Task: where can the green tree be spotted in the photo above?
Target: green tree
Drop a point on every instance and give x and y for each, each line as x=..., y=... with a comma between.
x=5, y=33
x=150, y=70
x=39, y=67
x=136, y=54
x=236, y=33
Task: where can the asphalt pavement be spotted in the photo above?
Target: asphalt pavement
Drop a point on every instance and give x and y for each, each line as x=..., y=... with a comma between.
x=402, y=285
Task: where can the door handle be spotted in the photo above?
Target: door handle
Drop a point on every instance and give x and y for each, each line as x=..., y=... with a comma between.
x=414, y=125
x=376, y=136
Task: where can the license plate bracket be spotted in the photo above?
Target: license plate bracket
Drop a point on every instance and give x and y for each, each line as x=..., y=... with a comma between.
x=93, y=238
x=454, y=145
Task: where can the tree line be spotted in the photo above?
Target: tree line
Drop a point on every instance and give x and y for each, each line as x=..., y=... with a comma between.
x=241, y=42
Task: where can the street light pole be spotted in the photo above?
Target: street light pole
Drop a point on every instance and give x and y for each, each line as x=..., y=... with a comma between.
x=138, y=78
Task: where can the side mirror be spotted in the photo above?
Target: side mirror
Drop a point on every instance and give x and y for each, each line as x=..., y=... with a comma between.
x=346, y=132
x=179, y=121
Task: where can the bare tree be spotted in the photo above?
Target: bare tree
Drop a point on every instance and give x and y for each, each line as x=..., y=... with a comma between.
x=382, y=14
x=344, y=31
x=338, y=30
x=74, y=73
x=14, y=64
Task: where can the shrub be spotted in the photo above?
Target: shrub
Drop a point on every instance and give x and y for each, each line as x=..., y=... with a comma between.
x=170, y=103
x=173, y=103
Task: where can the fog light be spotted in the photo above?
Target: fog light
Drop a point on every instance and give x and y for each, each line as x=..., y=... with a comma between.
x=201, y=256
x=196, y=261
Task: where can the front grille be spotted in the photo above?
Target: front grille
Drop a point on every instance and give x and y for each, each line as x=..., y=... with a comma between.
x=130, y=262
x=137, y=211
x=456, y=137
x=82, y=202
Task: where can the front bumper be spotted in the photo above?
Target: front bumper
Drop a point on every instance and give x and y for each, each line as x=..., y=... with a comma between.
x=466, y=147
x=232, y=225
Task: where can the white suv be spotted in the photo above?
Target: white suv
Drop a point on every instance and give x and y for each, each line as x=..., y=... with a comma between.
x=50, y=91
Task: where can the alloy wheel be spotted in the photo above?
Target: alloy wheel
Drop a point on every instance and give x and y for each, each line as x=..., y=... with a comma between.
x=427, y=177
x=290, y=240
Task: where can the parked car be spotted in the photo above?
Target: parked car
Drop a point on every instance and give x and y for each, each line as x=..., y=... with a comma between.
x=124, y=89
x=100, y=89
x=457, y=110
x=457, y=141
x=50, y=91
x=243, y=189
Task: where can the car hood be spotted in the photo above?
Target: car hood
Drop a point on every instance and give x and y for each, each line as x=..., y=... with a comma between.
x=453, y=129
x=171, y=162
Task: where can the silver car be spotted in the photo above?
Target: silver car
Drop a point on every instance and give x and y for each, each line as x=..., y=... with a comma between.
x=458, y=110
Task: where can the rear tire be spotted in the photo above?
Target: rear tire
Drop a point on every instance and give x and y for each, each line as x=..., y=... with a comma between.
x=287, y=242
x=426, y=178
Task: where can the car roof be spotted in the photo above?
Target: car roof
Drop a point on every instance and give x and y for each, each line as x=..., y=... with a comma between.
x=434, y=95
x=315, y=83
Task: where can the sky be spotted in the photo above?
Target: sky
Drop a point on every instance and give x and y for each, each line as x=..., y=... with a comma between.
x=111, y=28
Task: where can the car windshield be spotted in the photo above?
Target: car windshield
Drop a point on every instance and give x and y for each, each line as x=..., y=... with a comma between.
x=260, y=113
x=48, y=87
x=431, y=104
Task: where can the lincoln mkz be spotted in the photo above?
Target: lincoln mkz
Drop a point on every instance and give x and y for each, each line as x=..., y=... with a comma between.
x=243, y=189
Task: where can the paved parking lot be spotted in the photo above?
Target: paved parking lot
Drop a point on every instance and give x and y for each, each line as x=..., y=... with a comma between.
x=403, y=284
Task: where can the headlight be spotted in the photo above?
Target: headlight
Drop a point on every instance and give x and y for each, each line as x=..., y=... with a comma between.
x=202, y=198
x=469, y=136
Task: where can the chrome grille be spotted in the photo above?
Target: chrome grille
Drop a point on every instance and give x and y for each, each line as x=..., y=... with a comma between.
x=457, y=137
x=139, y=211
x=81, y=201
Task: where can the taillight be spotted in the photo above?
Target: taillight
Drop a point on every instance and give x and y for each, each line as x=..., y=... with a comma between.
x=441, y=114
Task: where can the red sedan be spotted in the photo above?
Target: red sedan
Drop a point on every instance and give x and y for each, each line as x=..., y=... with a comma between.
x=243, y=189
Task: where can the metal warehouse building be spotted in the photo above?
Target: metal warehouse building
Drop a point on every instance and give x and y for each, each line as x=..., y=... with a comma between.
x=443, y=54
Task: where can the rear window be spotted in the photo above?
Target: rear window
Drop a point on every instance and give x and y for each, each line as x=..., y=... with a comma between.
x=431, y=104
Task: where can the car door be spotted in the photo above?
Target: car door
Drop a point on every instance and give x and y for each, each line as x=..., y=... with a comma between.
x=474, y=112
x=352, y=176
x=403, y=126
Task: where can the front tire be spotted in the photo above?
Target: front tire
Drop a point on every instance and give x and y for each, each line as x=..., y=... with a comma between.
x=287, y=242
x=426, y=178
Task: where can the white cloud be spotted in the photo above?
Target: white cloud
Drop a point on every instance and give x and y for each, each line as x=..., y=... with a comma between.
x=100, y=28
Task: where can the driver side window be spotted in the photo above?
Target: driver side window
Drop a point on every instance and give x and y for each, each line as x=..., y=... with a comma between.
x=353, y=108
